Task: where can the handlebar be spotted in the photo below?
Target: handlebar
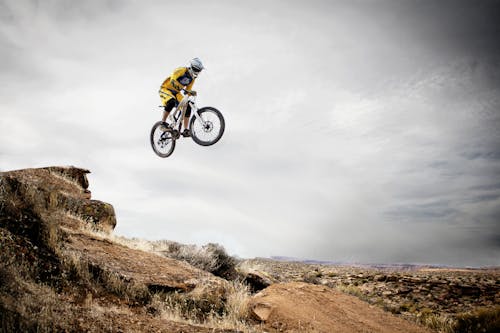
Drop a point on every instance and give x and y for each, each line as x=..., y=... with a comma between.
x=187, y=92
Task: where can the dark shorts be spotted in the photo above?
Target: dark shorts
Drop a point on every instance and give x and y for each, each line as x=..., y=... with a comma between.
x=173, y=102
x=170, y=104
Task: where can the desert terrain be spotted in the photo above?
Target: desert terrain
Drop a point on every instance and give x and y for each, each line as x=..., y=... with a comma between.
x=444, y=299
x=63, y=270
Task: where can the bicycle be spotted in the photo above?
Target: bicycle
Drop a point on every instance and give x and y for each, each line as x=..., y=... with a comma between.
x=206, y=126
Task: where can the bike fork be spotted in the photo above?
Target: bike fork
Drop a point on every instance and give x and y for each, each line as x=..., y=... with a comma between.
x=196, y=114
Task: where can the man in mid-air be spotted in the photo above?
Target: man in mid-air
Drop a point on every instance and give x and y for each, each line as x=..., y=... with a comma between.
x=170, y=92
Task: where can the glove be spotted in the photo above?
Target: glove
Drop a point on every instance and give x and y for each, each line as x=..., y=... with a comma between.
x=192, y=93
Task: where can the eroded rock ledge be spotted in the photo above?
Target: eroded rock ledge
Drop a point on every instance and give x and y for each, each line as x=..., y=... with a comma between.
x=57, y=191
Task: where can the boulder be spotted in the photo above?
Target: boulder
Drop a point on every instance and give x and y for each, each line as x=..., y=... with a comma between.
x=257, y=280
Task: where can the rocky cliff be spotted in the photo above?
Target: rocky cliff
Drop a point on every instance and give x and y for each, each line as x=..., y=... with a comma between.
x=62, y=271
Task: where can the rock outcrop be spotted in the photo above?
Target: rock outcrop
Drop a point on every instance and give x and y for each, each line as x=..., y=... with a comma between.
x=58, y=260
x=57, y=191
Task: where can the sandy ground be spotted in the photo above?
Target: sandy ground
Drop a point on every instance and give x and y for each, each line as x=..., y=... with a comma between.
x=302, y=307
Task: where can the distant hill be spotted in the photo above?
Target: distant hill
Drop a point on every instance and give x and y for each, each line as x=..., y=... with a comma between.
x=396, y=266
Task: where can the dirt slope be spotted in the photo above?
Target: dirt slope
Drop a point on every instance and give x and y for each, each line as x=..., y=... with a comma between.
x=154, y=271
x=303, y=307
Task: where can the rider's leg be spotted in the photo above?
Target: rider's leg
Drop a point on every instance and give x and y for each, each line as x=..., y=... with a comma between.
x=186, y=131
x=165, y=115
x=169, y=105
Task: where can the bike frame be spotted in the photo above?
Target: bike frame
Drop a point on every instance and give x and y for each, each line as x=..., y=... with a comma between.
x=177, y=115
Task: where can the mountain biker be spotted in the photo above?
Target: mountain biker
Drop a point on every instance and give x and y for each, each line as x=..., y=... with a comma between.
x=182, y=78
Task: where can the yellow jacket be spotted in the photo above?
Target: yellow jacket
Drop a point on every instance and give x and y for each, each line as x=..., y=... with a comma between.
x=171, y=87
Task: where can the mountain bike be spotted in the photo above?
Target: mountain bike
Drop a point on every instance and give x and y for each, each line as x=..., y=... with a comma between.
x=206, y=126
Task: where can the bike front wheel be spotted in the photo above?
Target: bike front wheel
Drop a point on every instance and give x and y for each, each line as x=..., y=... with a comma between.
x=208, y=128
x=162, y=141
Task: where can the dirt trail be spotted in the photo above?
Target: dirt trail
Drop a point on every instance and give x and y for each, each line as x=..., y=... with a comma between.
x=302, y=307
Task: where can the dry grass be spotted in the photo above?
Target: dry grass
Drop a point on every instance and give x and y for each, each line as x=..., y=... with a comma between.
x=35, y=307
x=80, y=270
x=29, y=306
x=352, y=290
x=84, y=221
x=228, y=311
x=85, y=225
x=211, y=257
x=127, y=290
x=226, y=308
x=65, y=178
x=481, y=320
x=237, y=309
x=76, y=268
x=438, y=322
x=51, y=236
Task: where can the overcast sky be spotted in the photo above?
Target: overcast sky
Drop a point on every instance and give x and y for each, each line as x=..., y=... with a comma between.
x=360, y=131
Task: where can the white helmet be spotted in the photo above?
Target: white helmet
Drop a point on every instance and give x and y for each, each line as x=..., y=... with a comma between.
x=195, y=67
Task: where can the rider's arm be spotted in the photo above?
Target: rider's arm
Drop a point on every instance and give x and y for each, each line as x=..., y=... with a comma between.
x=189, y=87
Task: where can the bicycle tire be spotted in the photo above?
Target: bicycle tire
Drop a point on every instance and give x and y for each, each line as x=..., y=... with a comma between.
x=162, y=139
x=214, y=122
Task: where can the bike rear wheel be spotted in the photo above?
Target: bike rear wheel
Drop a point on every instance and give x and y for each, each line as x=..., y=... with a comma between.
x=210, y=130
x=162, y=142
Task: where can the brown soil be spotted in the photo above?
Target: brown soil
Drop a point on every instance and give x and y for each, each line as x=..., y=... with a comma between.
x=152, y=270
x=303, y=307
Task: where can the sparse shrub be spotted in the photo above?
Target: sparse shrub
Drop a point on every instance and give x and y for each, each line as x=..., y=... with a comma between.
x=128, y=290
x=212, y=257
x=66, y=178
x=393, y=308
x=193, y=307
x=50, y=236
x=82, y=272
x=229, y=309
x=6, y=277
x=351, y=290
x=223, y=264
x=76, y=269
x=32, y=307
x=435, y=321
x=485, y=320
x=238, y=298
x=312, y=277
